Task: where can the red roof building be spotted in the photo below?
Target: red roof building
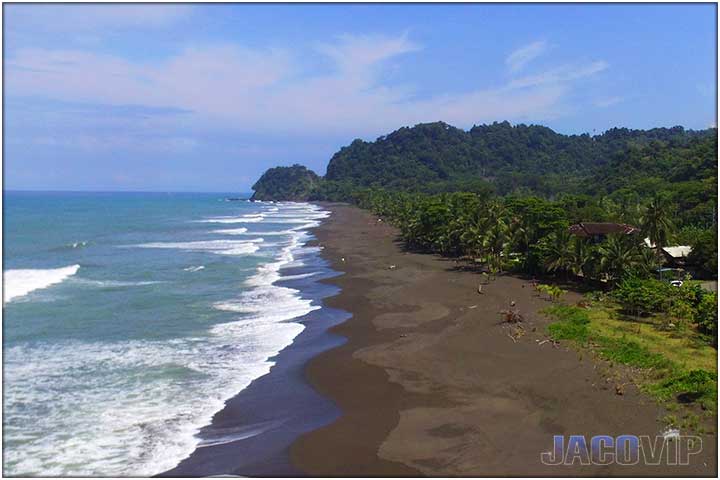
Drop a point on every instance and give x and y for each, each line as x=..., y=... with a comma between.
x=598, y=231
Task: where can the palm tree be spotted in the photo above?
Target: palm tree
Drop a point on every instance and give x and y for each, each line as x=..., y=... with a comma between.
x=522, y=234
x=494, y=242
x=475, y=229
x=617, y=256
x=657, y=221
x=581, y=257
x=648, y=262
x=496, y=234
x=559, y=255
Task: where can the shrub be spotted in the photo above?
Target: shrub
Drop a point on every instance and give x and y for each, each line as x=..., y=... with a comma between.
x=553, y=291
x=688, y=387
x=707, y=315
x=704, y=253
x=688, y=302
x=643, y=296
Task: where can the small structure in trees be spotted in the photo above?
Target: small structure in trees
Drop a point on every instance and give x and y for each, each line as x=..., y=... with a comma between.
x=597, y=232
x=676, y=256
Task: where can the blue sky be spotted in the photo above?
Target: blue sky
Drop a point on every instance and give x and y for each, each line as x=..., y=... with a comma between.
x=206, y=97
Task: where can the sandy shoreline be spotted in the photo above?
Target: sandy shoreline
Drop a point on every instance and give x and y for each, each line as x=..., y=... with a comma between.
x=251, y=435
x=430, y=383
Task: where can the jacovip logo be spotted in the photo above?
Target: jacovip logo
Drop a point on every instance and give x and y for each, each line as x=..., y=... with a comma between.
x=671, y=448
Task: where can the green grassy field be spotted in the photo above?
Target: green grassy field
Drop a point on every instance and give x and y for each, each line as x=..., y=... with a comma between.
x=676, y=366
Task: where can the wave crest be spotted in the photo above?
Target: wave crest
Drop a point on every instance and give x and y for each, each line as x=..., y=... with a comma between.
x=20, y=282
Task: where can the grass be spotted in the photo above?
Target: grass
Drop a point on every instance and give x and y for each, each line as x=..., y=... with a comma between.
x=674, y=367
x=574, y=324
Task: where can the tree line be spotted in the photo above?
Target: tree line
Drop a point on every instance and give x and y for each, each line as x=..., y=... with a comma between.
x=531, y=235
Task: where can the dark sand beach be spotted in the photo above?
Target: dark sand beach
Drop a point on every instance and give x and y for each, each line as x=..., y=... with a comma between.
x=430, y=383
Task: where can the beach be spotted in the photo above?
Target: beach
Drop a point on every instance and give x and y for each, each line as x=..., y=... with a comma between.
x=430, y=382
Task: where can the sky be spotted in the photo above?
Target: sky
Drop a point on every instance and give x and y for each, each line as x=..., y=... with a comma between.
x=192, y=97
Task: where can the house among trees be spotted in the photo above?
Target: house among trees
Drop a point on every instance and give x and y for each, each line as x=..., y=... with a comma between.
x=676, y=256
x=673, y=256
x=597, y=232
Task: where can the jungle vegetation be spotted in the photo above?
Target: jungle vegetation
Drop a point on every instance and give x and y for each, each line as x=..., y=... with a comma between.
x=501, y=198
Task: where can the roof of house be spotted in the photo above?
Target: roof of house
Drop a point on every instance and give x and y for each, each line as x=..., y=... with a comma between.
x=679, y=251
x=585, y=229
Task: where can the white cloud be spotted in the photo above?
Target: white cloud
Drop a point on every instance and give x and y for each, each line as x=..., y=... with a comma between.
x=267, y=90
x=560, y=75
x=212, y=80
x=353, y=53
x=520, y=57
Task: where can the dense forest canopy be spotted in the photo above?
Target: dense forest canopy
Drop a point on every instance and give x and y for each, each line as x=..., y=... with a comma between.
x=595, y=177
x=509, y=156
x=294, y=183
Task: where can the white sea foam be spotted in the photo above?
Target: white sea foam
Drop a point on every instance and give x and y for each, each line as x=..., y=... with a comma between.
x=18, y=283
x=231, y=231
x=133, y=415
x=113, y=283
x=222, y=247
x=233, y=434
x=266, y=300
x=305, y=216
x=305, y=226
x=134, y=419
x=249, y=218
x=194, y=269
x=287, y=220
x=221, y=220
x=299, y=276
x=254, y=233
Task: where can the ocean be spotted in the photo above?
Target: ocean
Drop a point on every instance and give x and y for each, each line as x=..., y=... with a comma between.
x=130, y=319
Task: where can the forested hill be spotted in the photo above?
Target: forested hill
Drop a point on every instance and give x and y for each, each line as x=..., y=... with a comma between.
x=523, y=159
x=438, y=152
x=294, y=183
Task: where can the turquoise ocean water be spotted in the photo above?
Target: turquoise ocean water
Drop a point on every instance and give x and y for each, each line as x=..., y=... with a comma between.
x=130, y=318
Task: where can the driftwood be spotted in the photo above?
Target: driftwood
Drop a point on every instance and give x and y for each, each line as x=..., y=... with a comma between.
x=512, y=316
x=516, y=331
x=550, y=341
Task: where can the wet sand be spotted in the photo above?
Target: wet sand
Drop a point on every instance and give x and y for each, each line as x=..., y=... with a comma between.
x=429, y=381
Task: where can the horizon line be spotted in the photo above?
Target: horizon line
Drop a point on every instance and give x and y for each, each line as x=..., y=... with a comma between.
x=18, y=190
